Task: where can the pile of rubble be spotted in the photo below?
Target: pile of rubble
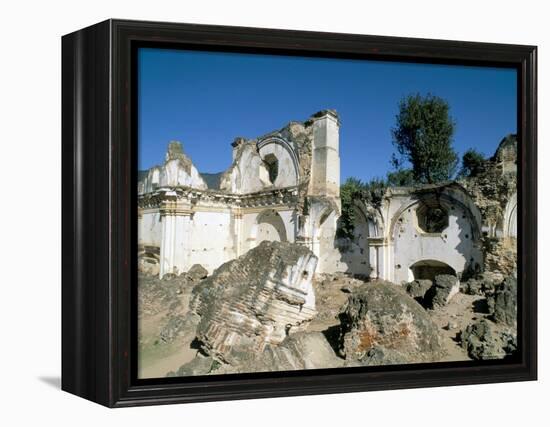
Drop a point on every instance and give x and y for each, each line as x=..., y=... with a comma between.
x=380, y=322
x=259, y=313
x=255, y=300
x=492, y=334
x=495, y=336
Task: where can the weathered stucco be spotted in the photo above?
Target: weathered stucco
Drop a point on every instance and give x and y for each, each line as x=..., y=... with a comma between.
x=177, y=170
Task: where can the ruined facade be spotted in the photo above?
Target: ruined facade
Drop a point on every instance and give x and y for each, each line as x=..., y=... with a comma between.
x=460, y=228
x=280, y=187
x=285, y=186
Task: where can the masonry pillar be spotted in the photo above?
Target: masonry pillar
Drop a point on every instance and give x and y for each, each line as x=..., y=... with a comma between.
x=325, y=165
x=238, y=226
x=376, y=257
x=140, y=225
x=385, y=261
x=175, y=238
x=304, y=231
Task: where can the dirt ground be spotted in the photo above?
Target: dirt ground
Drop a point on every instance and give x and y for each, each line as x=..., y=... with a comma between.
x=159, y=301
x=157, y=357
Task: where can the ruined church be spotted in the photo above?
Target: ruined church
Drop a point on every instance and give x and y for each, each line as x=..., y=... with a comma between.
x=285, y=186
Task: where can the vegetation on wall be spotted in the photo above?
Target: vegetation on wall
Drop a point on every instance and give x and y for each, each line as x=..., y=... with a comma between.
x=400, y=178
x=473, y=163
x=352, y=190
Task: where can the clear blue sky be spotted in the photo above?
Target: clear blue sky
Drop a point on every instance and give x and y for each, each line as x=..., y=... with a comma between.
x=206, y=99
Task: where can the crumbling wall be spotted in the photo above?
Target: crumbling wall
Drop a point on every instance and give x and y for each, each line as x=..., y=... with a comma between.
x=494, y=186
x=291, y=146
x=243, y=176
x=494, y=190
x=500, y=255
x=177, y=170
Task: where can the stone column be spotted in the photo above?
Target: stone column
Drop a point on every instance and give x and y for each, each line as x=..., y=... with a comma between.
x=175, y=239
x=237, y=232
x=373, y=261
x=304, y=231
x=325, y=163
x=377, y=258
x=182, y=243
x=166, y=244
x=140, y=225
x=385, y=261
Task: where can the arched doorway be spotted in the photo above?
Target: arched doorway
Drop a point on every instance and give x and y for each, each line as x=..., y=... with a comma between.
x=270, y=227
x=428, y=269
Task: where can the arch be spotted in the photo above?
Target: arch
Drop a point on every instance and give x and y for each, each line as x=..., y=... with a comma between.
x=269, y=226
x=273, y=147
x=510, y=217
x=355, y=253
x=373, y=218
x=319, y=212
x=447, y=196
x=427, y=269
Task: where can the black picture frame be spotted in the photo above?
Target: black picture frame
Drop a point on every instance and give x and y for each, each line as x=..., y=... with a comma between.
x=99, y=212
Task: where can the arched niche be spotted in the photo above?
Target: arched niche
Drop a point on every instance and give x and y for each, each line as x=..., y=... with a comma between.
x=450, y=199
x=269, y=226
x=280, y=163
x=372, y=217
x=510, y=225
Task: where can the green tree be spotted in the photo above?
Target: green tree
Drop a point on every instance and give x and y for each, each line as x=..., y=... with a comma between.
x=400, y=178
x=423, y=136
x=473, y=162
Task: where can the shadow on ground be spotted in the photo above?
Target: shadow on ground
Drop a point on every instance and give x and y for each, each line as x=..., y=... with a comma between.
x=54, y=382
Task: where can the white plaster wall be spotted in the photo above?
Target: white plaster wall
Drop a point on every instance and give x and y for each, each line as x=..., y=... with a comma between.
x=211, y=241
x=341, y=254
x=355, y=252
x=290, y=221
x=271, y=228
x=149, y=229
x=248, y=238
x=151, y=181
x=454, y=246
x=287, y=174
x=174, y=173
x=244, y=176
x=326, y=248
x=249, y=173
x=171, y=174
x=259, y=226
